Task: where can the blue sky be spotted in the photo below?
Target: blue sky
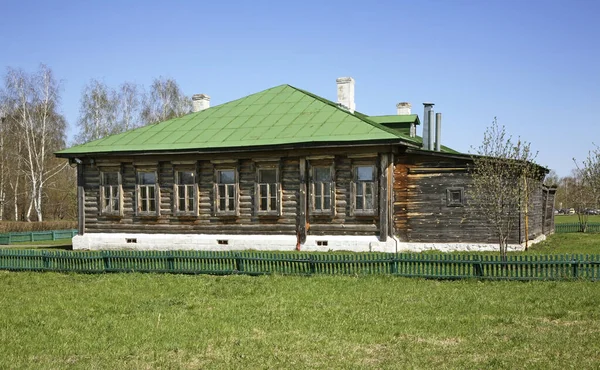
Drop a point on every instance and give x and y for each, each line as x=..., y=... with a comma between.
x=533, y=64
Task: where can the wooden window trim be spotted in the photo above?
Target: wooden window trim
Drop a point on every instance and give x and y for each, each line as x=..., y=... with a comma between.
x=257, y=198
x=313, y=184
x=119, y=186
x=450, y=202
x=375, y=191
x=138, y=194
x=195, y=192
x=236, y=189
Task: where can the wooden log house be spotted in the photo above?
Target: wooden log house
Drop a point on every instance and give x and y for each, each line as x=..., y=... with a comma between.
x=283, y=169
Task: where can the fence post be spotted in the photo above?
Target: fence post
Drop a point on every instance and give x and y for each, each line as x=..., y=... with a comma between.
x=239, y=263
x=9, y=238
x=106, y=260
x=53, y=235
x=45, y=260
x=311, y=264
x=394, y=264
x=31, y=236
x=477, y=267
x=170, y=261
x=575, y=264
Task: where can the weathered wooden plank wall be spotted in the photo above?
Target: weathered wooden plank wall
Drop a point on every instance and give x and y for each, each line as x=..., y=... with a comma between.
x=246, y=221
x=421, y=210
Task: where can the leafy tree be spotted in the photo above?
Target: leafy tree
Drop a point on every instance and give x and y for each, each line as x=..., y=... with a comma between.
x=504, y=179
x=165, y=101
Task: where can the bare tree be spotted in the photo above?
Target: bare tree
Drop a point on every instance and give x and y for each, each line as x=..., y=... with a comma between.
x=588, y=189
x=129, y=106
x=98, y=112
x=3, y=159
x=504, y=178
x=33, y=100
x=552, y=179
x=165, y=101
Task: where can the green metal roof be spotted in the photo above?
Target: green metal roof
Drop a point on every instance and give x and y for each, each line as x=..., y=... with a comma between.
x=281, y=115
x=277, y=116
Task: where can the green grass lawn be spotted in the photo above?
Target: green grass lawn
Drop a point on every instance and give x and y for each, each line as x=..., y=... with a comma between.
x=48, y=244
x=141, y=321
x=568, y=219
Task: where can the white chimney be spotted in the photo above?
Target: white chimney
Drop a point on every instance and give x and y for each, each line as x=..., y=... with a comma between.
x=345, y=93
x=428, y=126
x=200, y=102
x=403, y=108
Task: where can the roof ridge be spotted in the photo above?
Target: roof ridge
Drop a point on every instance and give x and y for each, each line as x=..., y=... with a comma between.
x=363, y=117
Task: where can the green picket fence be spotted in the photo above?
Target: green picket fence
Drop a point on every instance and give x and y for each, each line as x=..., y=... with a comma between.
x=36, y=236
x=445, y=266
x=575, y=227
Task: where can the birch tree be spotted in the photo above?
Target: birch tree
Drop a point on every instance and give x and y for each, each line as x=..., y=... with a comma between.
x=165, y=101
x=504, y=178
x=33, y=100
x=129, y=105
x=3, y=159
x=98, y=112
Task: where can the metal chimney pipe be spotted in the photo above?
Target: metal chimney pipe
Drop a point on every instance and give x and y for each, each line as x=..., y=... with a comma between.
x=427, y=130
x=431, y=132
x=438, y=132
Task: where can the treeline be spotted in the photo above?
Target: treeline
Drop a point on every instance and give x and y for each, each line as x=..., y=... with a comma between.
x=36, y=186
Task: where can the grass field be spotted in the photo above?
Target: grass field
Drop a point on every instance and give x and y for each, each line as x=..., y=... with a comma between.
x=567, y=219
x=139, y=321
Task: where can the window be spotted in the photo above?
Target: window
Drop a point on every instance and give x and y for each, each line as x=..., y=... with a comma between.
x=226, y=192
x=185, y=192
x=455, y=197
x=364, y=190
x=267, y=191
x=147, y=193
x=322, y=190
x=110, y=193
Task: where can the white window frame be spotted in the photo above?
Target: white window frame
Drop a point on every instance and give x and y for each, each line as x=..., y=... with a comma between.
x=190, y=191
x=147, y=187
x=314, y=203
x=363, y=185
x=258, y=192
x=231, y=192
x=116, y=193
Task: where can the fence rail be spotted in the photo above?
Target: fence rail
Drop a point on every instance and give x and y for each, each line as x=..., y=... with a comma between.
x=575, y=227
x=36, y=236
x=543, y=267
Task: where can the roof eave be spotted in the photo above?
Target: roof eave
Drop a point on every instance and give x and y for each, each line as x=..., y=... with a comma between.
x=241, y=149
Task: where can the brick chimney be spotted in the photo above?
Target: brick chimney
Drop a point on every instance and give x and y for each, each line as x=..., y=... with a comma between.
x=200, y=102
x=345, y=93
x=403, y=108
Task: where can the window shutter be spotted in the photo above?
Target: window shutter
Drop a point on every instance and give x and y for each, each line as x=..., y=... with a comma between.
x=279, y=196
x=332, y=198
x=353, y=197
x=196, y=200
x=175, y=196
x=157, y=193
x=256, y=197
x=215, y=198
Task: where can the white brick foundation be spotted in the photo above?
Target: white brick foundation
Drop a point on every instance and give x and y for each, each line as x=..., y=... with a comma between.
x=121, y=241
